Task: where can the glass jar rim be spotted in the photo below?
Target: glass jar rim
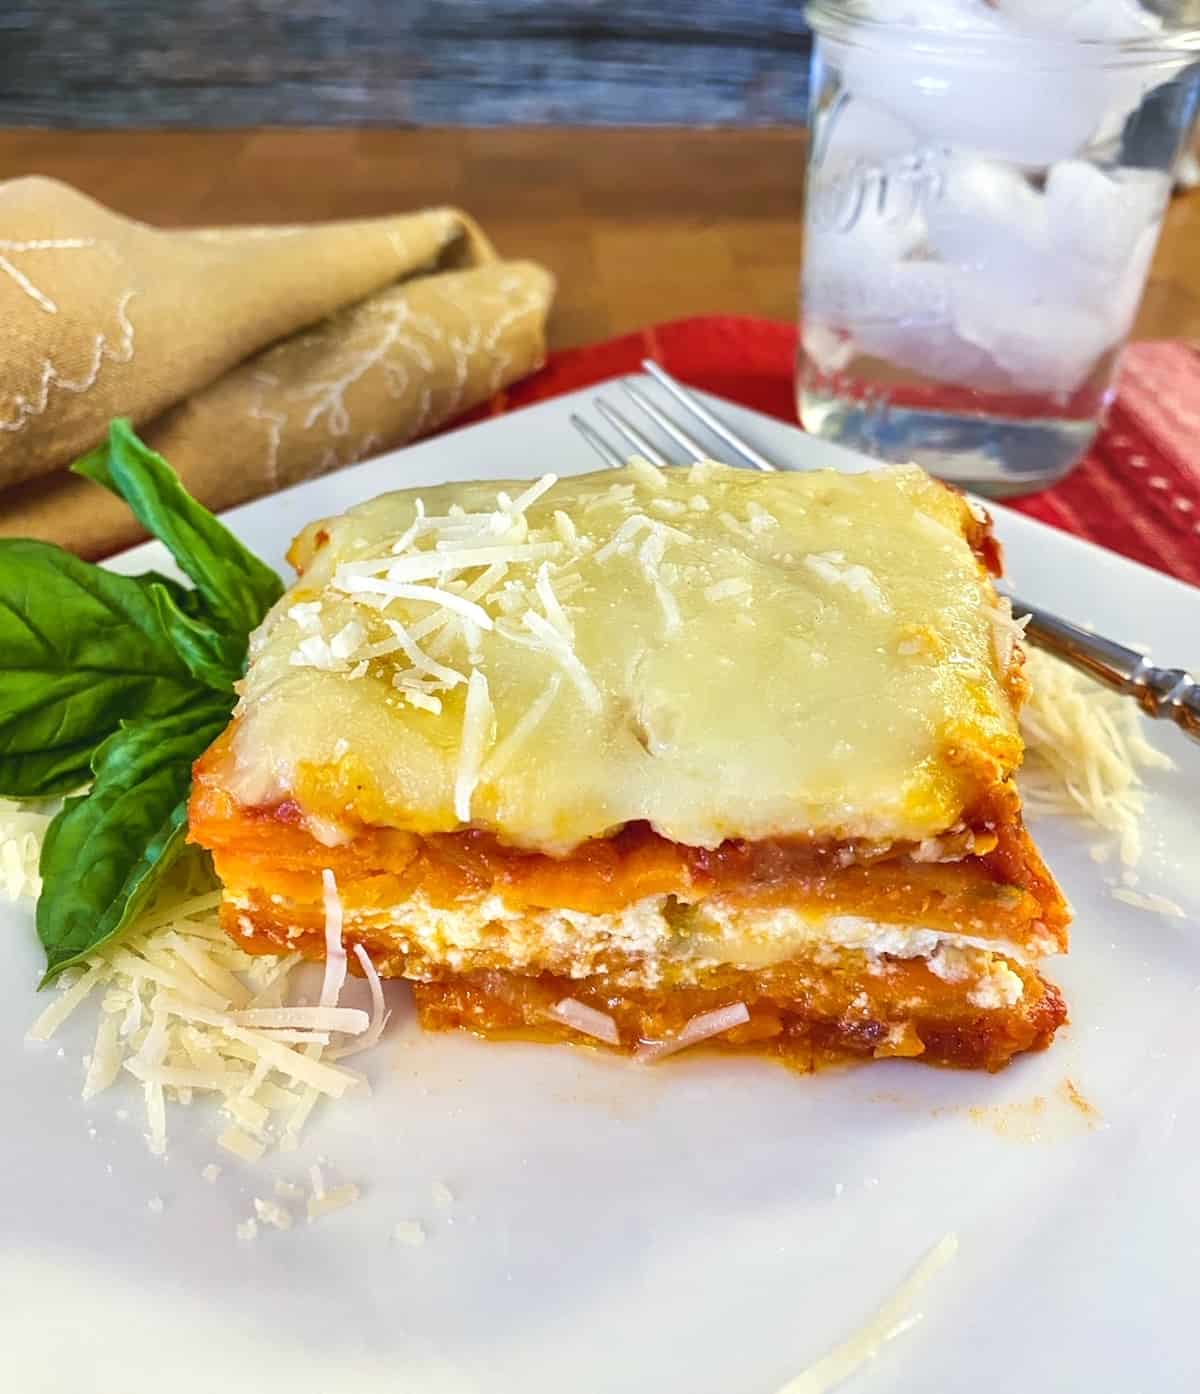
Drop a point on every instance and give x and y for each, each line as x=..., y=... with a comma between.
x=841, y=21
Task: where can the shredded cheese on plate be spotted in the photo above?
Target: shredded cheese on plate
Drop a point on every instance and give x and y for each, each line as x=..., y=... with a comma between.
x=184, y=1011
x=1085, y=752
x=891, y=1320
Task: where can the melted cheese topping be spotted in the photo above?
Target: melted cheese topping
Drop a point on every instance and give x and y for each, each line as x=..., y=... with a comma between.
x=804, y=709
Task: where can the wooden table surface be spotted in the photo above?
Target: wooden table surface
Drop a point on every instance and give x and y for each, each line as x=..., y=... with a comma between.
x=638, y=225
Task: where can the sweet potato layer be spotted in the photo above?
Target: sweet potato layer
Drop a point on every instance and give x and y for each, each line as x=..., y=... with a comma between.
x=1002, y=891
x=801, y=1012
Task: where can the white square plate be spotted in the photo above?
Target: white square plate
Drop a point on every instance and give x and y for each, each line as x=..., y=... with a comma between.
x=708, y=1226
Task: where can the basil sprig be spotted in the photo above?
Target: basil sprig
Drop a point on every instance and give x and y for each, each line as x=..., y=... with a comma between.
x=123, y=681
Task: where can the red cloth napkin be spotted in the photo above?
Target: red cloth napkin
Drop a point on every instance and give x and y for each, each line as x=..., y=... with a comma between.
x=1137, y=491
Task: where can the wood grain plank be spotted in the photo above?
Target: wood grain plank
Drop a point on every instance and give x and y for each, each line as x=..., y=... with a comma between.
x=121, y=63
x=637, y=225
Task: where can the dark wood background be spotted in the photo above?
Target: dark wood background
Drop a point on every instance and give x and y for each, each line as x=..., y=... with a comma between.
x=126, y=63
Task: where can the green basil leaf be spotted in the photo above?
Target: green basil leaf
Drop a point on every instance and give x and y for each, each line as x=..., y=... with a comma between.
x=217, y=659
x=39, y=774
x=106, y=851
x=80, y=648
x=236, y=587
x=188, y=600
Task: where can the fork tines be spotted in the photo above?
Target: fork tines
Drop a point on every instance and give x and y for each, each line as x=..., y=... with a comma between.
x=632, y=435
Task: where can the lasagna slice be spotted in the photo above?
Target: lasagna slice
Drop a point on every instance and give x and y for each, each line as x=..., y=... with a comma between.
x=645, y=757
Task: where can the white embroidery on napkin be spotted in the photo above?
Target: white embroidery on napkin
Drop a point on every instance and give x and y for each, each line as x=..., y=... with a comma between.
x=243, y=234
x=275, y=421
x=396, y=345
x=331, y=395
x=50, y=378
x=40, y=244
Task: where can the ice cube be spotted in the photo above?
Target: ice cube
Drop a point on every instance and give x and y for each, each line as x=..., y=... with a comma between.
x=855, y=130
x=953, y=16
x=1130, y=283
x=845, y=289
x=1045, y=283
x=1083, y=19
x=827, y=347
x=901, y=312
x=1045, y=347
x=870, y=208
x=1097, y=217
x=938, y=353
x=1004, y=112
x=1014, y=95
x=987, y=216
x=982, y=280
x=1104, y=228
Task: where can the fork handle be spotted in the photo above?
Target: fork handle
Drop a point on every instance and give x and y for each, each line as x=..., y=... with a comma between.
x=1168, y=693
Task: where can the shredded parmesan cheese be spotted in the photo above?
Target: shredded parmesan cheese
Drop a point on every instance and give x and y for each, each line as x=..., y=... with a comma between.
x=726, y=590
x=476, y=733
x=306, y=615
x=565, y=528
x=550, y=603
x=833, y=568
x=423, y=701
x=241, y=1145
x=650, y=558
x=329, y=1201
x=272, y=1213
x=624, y=536
x=105, y=1059
x=58, y=1011
x=700, y=1028
x=404, y=541
x=431, y=595
x=586, y=1020
x=1007, y=632
x=891, y=1320
x=335, y=950
x=409, y=1232
x=1147, y=900
x=533, y=493
x=525, y=726
x=1085, y=750
x=555, y=644
x=21, y=831
x=379, y=1012
x=347, y=640
x=647, y=473
x=319, y=1019
x=760, y=519
x=182, y=1009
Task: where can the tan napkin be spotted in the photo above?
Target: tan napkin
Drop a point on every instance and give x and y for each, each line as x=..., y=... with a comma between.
x=252, y=358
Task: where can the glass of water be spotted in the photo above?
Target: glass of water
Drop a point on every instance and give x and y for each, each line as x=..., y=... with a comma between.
x=987, y=180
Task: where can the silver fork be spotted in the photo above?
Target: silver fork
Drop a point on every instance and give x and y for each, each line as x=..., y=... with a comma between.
x=1167, y=693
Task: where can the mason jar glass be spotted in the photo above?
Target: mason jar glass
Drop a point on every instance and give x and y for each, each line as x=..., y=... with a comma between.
x=986, y=187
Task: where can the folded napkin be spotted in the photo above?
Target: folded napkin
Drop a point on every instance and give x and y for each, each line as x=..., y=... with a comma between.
x=252, y=358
